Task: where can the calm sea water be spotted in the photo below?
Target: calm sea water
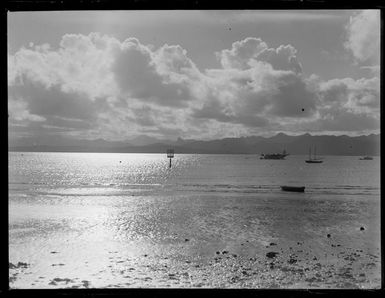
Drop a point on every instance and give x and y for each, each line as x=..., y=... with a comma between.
x=101, y=219
x=32, y=175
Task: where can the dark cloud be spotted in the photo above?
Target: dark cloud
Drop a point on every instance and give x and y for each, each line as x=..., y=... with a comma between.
x=293, y=100
x=341, y=120
x=337, y=92
x=136, y=74
x=214, y=110
x=71, y=124
x=144, y=116
x=52, y=101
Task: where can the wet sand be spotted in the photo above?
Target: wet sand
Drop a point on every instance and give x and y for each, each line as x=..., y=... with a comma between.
x=276, y=241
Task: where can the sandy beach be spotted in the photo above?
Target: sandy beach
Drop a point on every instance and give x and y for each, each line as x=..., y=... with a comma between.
x=201, y=241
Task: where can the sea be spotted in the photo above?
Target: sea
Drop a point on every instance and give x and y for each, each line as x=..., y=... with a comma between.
x=74, y=218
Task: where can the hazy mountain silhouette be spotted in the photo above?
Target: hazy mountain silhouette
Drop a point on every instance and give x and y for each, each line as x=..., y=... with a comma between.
x=326, y=145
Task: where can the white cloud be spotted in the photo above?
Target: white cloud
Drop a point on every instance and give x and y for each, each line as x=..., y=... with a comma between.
x=97, y=86
x=243, y=54
x=364, y=36
x=357, y=96
x=81, y=64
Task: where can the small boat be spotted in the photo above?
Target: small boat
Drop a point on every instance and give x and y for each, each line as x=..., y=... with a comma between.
x=313, y=160
x=366, y=158
x=293, y=188
x=274, y=156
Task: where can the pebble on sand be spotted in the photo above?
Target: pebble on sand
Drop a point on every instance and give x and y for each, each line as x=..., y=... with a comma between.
x=18, y=265
x=271, y=254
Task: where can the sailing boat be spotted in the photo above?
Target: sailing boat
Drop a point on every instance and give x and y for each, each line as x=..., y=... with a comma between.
x=313, y=160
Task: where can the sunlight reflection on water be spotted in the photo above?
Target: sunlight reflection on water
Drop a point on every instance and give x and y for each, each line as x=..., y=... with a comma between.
x=103, y=217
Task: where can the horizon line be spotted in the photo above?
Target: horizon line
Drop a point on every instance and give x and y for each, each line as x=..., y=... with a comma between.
x=211, y=139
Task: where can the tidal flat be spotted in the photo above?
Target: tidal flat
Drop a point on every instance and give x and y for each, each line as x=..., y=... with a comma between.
x=285, y=241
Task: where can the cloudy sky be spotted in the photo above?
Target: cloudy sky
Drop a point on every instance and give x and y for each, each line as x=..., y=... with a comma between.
x=193, y=74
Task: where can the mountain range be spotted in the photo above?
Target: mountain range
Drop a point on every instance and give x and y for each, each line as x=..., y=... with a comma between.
x=325, y=144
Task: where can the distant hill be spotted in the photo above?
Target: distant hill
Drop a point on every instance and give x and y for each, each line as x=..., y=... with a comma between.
x=326, y=145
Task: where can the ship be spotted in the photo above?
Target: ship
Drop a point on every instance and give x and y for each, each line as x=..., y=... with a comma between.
x=274, y=155
x=366, y=158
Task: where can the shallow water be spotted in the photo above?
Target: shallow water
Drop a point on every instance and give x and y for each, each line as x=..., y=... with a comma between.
x=127, y=220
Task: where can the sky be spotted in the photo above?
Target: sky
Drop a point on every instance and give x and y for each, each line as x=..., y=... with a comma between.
x=116, y=75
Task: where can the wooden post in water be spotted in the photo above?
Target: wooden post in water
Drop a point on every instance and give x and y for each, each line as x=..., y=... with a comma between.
x=170, y=155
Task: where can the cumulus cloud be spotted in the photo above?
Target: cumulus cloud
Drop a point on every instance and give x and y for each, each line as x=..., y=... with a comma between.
x=243, y=54
x=363, y=34
x=160, y=77
x=89, y=75
x=348, y=105
x=359, y=96
x=256, y=96
x=81, y=64
x=97, y=86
